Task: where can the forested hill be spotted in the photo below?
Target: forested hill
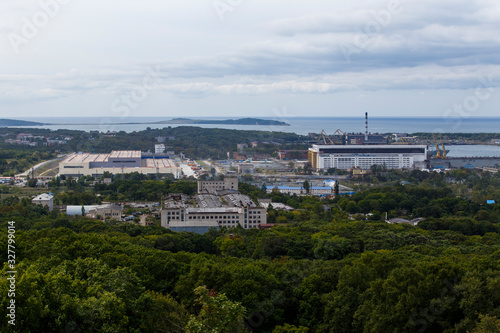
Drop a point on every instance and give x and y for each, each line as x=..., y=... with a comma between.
x=319, y=272
x=13, y=122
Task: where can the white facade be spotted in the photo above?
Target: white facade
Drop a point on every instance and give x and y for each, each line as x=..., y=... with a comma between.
x=247, y=217
x=159, y=148
x=44, y=200
x=364, y=156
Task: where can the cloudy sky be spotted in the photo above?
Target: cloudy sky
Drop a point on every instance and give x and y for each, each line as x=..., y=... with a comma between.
x=236, y=58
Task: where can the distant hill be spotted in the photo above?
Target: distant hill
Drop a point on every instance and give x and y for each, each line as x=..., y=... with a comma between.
x=242, y=121
x=13, y=122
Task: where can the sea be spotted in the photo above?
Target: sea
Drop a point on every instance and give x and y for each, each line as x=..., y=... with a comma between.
x=299, y=125
x=302, y=126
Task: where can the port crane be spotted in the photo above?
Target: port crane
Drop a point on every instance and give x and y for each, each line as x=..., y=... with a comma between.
x=439, y=153
x=325, y=136
x=444, y=153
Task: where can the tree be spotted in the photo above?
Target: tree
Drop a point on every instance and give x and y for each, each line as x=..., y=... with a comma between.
x=32, y=182
x=287, y=328
x=263, y=188
x=336, y=189
x=218, y=314
x=306, y=186
x=487, y=324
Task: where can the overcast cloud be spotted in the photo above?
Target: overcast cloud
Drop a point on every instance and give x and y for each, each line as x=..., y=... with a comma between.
x=248, y=57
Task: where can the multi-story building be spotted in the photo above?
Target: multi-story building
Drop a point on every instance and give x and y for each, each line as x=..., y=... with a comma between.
x=198, y=219
x=348, y=157
x=222, y=208
x=159, y=148
x=44, y=199
x=212, y=186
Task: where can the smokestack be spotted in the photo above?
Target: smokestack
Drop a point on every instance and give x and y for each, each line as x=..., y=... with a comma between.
x=366, y=126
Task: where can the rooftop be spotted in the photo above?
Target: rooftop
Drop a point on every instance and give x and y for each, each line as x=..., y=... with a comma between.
x=125, y=154
x=44, y=196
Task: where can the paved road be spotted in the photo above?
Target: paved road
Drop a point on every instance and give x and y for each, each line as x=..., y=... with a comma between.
x=39, y=165
x=186, y=169
x=25, y=173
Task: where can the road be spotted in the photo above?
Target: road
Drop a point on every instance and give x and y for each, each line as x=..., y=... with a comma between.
x=186, y=170
x=25, y=173
x=39, y=165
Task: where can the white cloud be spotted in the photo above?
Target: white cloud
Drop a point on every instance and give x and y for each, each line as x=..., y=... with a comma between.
x=261, y=50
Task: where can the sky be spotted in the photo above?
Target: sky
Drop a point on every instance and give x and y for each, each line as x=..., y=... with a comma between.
x=239, y=58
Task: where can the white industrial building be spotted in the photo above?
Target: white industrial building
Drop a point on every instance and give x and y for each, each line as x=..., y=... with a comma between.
x=347, y=157
x=103, y=212
x=117, y=162
x=191, y=218
x=218, y=204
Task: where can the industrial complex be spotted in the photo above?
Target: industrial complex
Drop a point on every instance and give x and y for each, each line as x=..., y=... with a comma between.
x=363, y=151
x=348, y=157
x=118, y=162
x=215, y=205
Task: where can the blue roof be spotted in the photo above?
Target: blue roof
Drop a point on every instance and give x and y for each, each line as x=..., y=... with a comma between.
x=301, y=188
x=490, y=202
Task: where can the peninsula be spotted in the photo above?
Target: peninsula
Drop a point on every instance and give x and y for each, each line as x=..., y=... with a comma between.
x=242, y=121
x=13, y=122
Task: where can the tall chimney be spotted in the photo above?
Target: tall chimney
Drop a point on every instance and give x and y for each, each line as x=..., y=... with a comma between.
x=366, y=126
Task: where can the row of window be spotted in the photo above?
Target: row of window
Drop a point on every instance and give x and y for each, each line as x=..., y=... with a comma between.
x=202, y=217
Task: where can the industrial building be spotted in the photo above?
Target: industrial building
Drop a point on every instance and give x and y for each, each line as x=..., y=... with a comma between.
x=300, y=191
x=348, y=157
x=230, y=209
x=212, y=186
x=118, y=162
x=292, y=154
x=98, y=212
x=246, y=168
x=366, y=139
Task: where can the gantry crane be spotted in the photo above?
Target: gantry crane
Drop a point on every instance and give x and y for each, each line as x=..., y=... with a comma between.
x=342, y=135
x=444, y=153
x=439, y=153
x=325, y=136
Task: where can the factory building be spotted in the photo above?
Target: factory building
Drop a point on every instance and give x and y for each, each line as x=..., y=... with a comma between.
x=117, y=162
x=320, y=191
x=365, y=139
x=102, y=212
x=198, y=214
x=348, y=157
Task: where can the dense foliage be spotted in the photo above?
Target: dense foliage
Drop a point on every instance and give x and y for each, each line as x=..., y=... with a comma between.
x=320, y=272
x=194, y=142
